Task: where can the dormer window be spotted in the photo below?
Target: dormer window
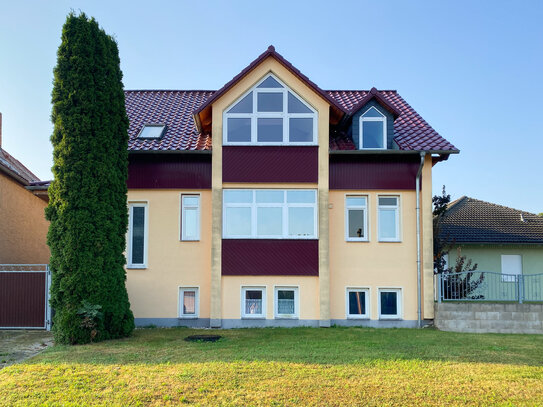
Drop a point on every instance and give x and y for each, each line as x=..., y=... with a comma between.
x=152, y=131
x=373, y=134
x=270, y=114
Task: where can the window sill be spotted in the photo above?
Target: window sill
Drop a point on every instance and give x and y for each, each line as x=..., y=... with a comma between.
x=261, y=317
x=390, y=241
x=354, y=317
x=286, y=317
x=136, y=267
x=188, y=317
x=390, y=319
x=189, y=240
x=357, y=240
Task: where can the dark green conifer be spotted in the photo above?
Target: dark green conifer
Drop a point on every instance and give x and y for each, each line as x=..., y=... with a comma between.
x=87, y=199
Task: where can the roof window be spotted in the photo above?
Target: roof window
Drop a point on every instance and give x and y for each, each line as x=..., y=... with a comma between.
x=152, y=131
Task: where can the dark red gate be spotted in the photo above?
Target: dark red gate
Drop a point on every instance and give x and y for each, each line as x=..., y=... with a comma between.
x=24, y=292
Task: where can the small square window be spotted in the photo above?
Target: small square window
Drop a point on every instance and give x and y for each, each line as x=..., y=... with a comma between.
x=357, y=303
x=286, y=302
x=152, y=131
x=188, y=302
x=253, y=302
x=390, y=303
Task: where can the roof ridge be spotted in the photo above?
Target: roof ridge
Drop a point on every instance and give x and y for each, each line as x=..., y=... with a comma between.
x=169, y=90
x=501, y=206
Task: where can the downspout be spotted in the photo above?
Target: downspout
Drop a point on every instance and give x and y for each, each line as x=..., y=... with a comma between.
x=419, y=280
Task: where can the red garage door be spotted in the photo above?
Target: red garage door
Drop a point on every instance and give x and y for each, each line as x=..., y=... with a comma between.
x=24, y=296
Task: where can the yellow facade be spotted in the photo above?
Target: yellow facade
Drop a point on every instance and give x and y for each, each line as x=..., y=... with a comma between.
x=371, y=265
x=172, y=263
x=23, y=226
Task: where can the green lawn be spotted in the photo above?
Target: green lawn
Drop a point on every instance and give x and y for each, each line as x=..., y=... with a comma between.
x=302, y=366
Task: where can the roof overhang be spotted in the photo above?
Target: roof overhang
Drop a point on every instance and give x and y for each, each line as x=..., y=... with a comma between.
x=203, y=116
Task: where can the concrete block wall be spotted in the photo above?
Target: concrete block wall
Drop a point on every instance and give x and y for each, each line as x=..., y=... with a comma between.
x=489, y=318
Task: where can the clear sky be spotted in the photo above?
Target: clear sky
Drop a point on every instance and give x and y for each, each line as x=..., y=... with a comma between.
x=472, y=69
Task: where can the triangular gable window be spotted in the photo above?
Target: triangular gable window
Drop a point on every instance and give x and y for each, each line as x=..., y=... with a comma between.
x=270, y=114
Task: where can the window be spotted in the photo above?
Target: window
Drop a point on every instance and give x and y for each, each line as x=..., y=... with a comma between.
x=390, y=303
x=253, y=302
x=358, y=303
x=270, y=114
x=137, y=235
x=190, y=217
x=356, y=218
x=373, y=126
x=389, y=218
x=189, y=302
x=511, y=267
x=270, y=214
x=152, y=131
x=286, y=302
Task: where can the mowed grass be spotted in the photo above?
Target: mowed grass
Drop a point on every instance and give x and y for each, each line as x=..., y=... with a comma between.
x=302, y=366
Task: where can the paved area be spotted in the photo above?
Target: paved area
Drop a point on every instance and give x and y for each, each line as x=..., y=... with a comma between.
x=16, y=346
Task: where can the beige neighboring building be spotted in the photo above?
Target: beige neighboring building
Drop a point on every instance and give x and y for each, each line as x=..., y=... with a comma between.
x=23, y=198
x=272, y=202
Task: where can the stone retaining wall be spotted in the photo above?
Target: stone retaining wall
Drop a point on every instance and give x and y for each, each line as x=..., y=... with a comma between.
x=489, y=318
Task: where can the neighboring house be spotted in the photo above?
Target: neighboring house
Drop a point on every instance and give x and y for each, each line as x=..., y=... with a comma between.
x=497, y=238
x=23, y=198
x=272, y=202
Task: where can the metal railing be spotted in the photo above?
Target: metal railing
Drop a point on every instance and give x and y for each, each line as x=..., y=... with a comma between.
x=489, y=286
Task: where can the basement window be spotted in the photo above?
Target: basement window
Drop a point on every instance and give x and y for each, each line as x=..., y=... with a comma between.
x=152, y=131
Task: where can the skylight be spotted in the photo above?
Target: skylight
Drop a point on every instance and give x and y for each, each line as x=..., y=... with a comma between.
x=152, y=131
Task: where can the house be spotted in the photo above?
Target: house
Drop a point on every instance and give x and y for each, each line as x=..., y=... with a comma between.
x=499, y=239
x=272, y=202
x=22, y=217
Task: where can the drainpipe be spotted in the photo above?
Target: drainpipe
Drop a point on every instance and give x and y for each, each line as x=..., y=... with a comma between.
x=419, y=287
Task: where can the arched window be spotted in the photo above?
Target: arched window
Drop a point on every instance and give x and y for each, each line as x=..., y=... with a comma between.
x=270, y=114
x=373, y=130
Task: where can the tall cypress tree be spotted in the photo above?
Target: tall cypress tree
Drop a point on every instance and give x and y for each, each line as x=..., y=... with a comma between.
x=87, y=199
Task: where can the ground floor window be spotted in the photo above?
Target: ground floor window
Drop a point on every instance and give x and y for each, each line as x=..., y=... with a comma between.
x=188, y=302
x=390, y=303
x=357, y=303
x=286, y=302
x=253, y=302
x=137, y=235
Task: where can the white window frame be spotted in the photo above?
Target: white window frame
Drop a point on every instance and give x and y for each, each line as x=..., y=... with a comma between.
x=366, y=290
x=181, y=292
x=244, y=289
x=399, y=302
x=296, y=314
x=285, y=220
x=397, y=208
x=129, y=263
x=510, y=277
x=255, y=115
x=366, y=237
x=184, y=208
x=363, y=119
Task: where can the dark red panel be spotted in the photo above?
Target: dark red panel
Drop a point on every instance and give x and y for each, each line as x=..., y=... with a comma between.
x=270, y=164
x=268, y=257
x=373, y=172
x=190, y=171
x=22, y=300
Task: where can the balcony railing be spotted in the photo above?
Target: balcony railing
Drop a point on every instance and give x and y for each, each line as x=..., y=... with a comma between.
x=489, y=286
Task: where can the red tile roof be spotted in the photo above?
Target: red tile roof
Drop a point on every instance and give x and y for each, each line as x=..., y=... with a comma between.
x=175, y=108
x=15, y=168
x=411, y=132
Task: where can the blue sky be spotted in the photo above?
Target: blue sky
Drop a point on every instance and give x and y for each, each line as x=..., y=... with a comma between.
x=473, y=70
